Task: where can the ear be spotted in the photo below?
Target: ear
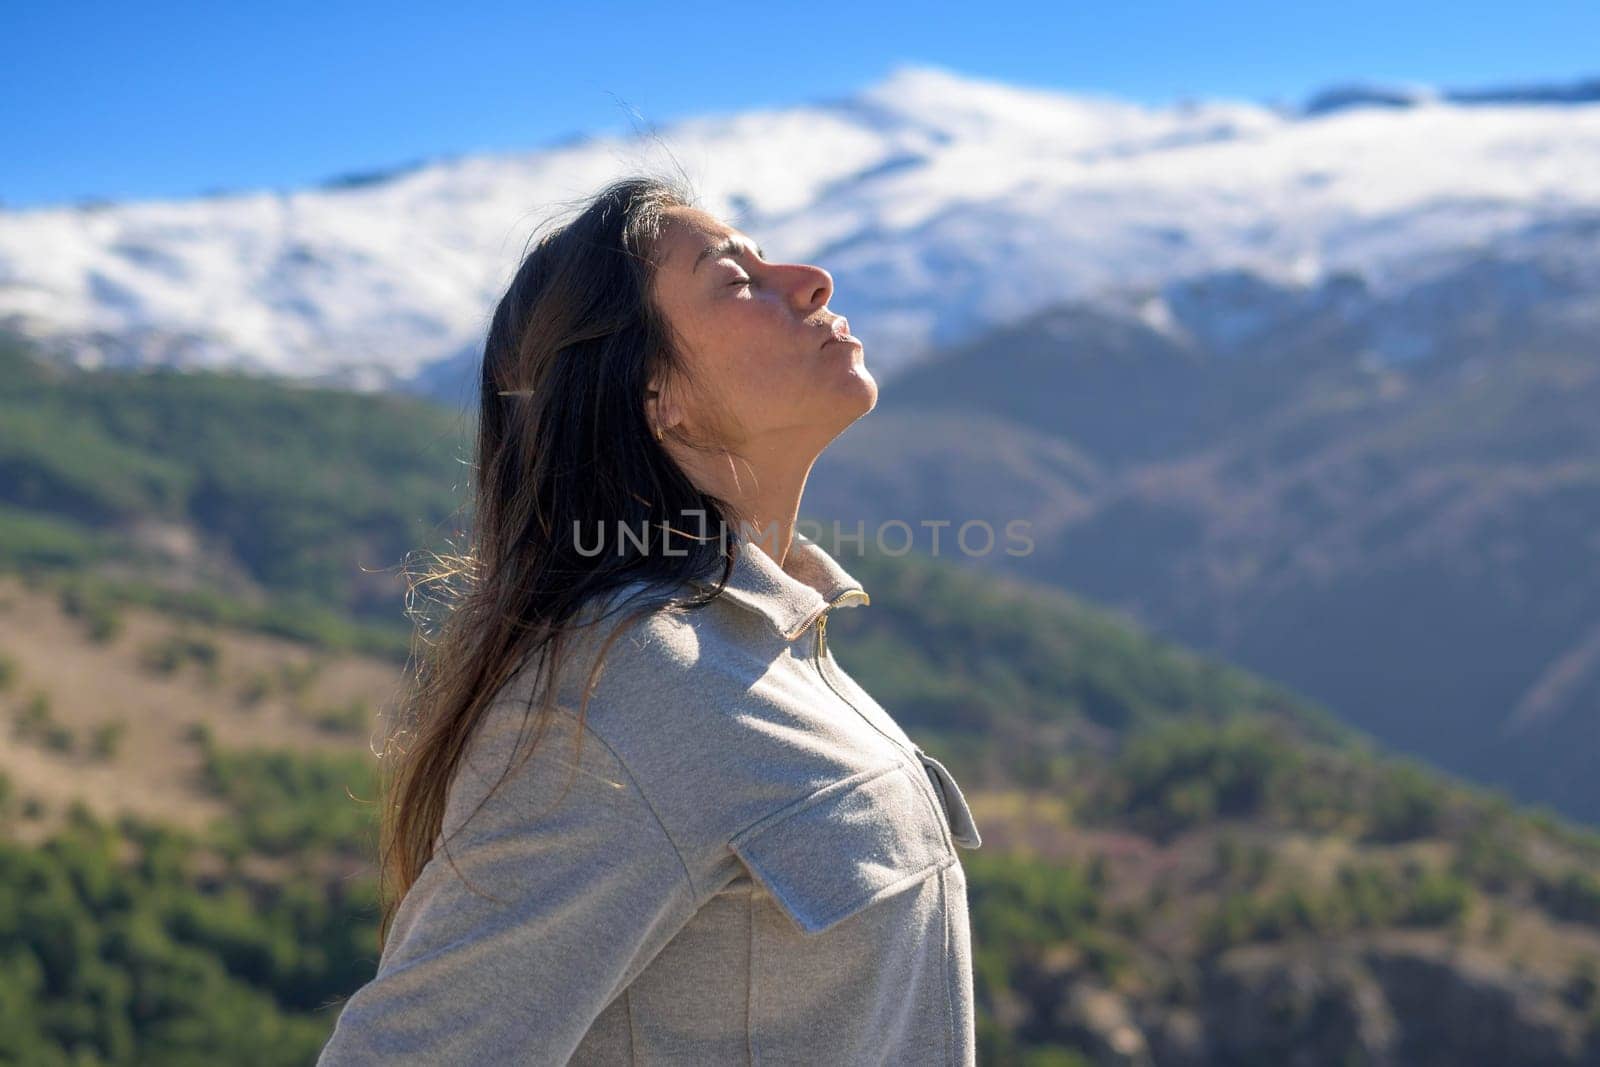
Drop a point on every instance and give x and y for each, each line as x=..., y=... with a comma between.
x=662, y=406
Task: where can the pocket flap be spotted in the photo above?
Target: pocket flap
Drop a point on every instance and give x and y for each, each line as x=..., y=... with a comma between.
x=963, y=830
x=850, y=843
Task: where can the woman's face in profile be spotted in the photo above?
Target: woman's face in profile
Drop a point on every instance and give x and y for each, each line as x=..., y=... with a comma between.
x=759, y=337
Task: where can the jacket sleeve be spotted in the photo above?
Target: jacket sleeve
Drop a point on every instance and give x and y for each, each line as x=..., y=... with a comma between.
x=590, y=889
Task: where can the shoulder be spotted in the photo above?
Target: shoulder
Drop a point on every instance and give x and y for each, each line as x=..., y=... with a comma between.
x=667, y=644
x=673, y=678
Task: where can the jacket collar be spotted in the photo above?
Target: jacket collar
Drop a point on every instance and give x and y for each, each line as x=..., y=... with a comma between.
x=790, y=597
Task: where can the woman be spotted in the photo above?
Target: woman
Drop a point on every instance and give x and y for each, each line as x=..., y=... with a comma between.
x=725, y=851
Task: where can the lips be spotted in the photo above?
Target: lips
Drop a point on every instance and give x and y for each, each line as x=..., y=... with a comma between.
x=838, y=329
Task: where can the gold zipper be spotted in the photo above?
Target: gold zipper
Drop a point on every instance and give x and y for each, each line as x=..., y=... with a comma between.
x=823, y=612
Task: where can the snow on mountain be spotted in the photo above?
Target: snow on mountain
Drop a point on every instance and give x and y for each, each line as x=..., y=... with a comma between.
x=940, y=203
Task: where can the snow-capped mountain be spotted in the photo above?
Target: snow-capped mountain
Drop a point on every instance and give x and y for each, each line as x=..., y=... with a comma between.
x=942, y=205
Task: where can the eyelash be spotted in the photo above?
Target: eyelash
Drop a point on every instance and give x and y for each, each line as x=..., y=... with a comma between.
x=743, y=281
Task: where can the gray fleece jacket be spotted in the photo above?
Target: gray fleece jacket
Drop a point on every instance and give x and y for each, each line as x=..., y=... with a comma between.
x=740, y=857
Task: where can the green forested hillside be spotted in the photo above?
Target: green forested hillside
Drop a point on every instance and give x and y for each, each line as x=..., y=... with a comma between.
x=107, y=958
x=1182, y=864
x=246, y=498
x=1189, y=835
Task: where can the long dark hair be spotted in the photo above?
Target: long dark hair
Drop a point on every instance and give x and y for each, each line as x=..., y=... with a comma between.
x=563, y=442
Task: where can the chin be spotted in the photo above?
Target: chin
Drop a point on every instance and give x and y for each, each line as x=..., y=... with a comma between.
x=870, y=389
x=857, y=393
x=856, y=377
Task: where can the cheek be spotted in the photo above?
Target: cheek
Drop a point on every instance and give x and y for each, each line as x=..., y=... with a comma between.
x=747, y=355
x=749, y=341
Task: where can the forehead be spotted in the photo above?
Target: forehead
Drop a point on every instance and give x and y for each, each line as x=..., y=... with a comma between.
x=686, y=233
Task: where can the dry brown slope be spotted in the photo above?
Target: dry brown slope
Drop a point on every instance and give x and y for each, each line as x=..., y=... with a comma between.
x=155, y=769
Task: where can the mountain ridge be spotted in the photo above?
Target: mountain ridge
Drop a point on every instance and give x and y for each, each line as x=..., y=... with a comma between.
x=383, y=279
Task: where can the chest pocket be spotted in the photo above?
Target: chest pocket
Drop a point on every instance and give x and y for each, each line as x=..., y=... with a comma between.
x=851, y=843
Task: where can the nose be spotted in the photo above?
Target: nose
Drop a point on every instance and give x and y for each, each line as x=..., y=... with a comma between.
x=814, y=287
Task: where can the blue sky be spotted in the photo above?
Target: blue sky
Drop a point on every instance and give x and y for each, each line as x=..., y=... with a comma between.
x=138, y=101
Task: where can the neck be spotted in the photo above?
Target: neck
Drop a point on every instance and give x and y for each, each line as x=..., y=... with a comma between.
x=763, y=487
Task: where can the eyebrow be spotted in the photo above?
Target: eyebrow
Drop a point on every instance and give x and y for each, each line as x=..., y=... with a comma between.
x=730, y=246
